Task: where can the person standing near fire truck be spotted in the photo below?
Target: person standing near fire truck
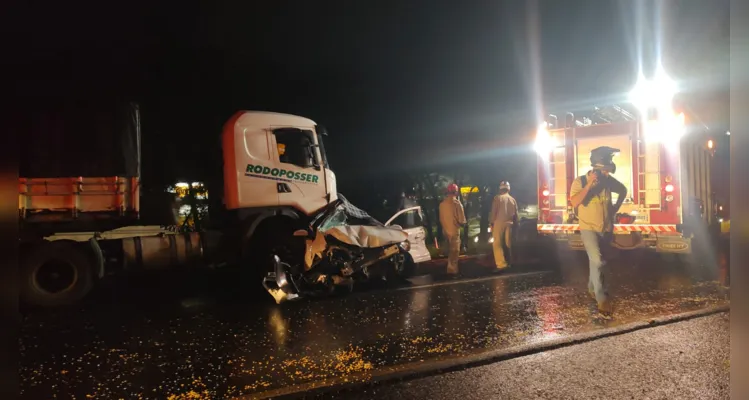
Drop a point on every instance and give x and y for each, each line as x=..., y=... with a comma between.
x=590, y=195
x=503, y=216
x=452, y=217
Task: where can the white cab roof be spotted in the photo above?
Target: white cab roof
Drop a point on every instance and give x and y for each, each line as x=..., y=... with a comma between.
x=266, y=118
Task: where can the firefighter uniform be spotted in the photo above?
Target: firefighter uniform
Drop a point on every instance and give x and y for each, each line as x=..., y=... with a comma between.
x=503, y=216
x=452, y=217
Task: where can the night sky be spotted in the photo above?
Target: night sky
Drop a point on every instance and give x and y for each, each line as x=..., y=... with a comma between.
x=400, y=85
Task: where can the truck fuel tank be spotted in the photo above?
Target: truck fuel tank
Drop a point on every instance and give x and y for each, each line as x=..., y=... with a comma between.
x=162, y=252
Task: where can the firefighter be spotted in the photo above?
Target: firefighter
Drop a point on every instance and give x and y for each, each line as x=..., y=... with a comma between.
x=503, y=217
x=591, y=196
x=452, y=217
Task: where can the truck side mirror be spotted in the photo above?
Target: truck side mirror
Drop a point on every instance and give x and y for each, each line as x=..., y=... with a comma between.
x=312, y=157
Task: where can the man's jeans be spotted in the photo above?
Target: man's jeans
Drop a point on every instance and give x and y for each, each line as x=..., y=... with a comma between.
x=592, y=242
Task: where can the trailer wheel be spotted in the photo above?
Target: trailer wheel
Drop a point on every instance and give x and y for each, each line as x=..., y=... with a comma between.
x=56, y=274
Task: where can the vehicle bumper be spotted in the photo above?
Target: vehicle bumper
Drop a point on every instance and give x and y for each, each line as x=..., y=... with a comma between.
x=661, y=242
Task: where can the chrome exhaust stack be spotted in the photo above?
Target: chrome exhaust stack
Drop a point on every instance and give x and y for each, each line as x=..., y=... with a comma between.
x=278, y=283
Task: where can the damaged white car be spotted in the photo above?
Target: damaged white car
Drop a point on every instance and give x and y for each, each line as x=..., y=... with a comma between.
x=344, y=245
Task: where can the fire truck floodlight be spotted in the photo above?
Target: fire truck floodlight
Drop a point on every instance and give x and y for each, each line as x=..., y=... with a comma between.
x=544, y=143
x=657, y=92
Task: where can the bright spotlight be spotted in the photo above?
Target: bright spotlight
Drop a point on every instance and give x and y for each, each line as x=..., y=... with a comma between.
x=657, y=92
x=544, y=143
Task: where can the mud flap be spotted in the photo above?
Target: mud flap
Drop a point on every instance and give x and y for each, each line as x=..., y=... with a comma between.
x=575, y=243
x=628, y=241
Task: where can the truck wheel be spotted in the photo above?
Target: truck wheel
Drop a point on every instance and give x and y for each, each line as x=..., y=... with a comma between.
x=403, y=266
x=55, y=274
x=275, y=238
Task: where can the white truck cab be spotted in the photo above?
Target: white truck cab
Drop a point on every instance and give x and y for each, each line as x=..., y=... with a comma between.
x=83, y=227
x=275, y=160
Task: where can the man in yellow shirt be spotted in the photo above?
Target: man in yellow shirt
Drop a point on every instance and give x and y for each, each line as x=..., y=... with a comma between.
x=590, y=194
x=452, y=217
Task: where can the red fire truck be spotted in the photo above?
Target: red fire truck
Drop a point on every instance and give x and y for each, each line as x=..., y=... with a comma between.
x=664, y=161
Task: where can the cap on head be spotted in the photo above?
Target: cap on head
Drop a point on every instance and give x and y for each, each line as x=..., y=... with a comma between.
x=504, y=185
x=452, y=189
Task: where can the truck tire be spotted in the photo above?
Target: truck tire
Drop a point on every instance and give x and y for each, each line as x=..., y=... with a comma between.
x=403, y=267
x=56, y=274
x=273, y=237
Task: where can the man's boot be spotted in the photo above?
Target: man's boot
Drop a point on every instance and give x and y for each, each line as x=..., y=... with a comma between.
x=605, y=308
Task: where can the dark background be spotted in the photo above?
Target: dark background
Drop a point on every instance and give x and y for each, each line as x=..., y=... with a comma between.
x=400, y=86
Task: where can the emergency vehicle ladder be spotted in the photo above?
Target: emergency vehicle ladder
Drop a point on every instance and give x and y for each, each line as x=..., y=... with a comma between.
x=645, y=168
x=641, y=191
x=557, y=175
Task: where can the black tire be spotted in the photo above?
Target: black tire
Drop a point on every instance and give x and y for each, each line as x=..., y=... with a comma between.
x=403, y=266
x=272, y=238
x=56, y=274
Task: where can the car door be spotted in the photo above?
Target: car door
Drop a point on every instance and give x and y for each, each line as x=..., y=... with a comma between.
x=410, y=219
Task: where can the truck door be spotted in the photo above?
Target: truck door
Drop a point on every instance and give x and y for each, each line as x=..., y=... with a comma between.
x=410, y=220
x=252, y=158
x=299, y=180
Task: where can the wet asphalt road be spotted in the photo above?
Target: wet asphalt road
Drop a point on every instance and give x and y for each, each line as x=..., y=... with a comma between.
x=204, y=338
x=684, y=360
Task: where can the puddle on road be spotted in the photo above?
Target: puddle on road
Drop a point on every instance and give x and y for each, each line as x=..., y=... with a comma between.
x=229, y=351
